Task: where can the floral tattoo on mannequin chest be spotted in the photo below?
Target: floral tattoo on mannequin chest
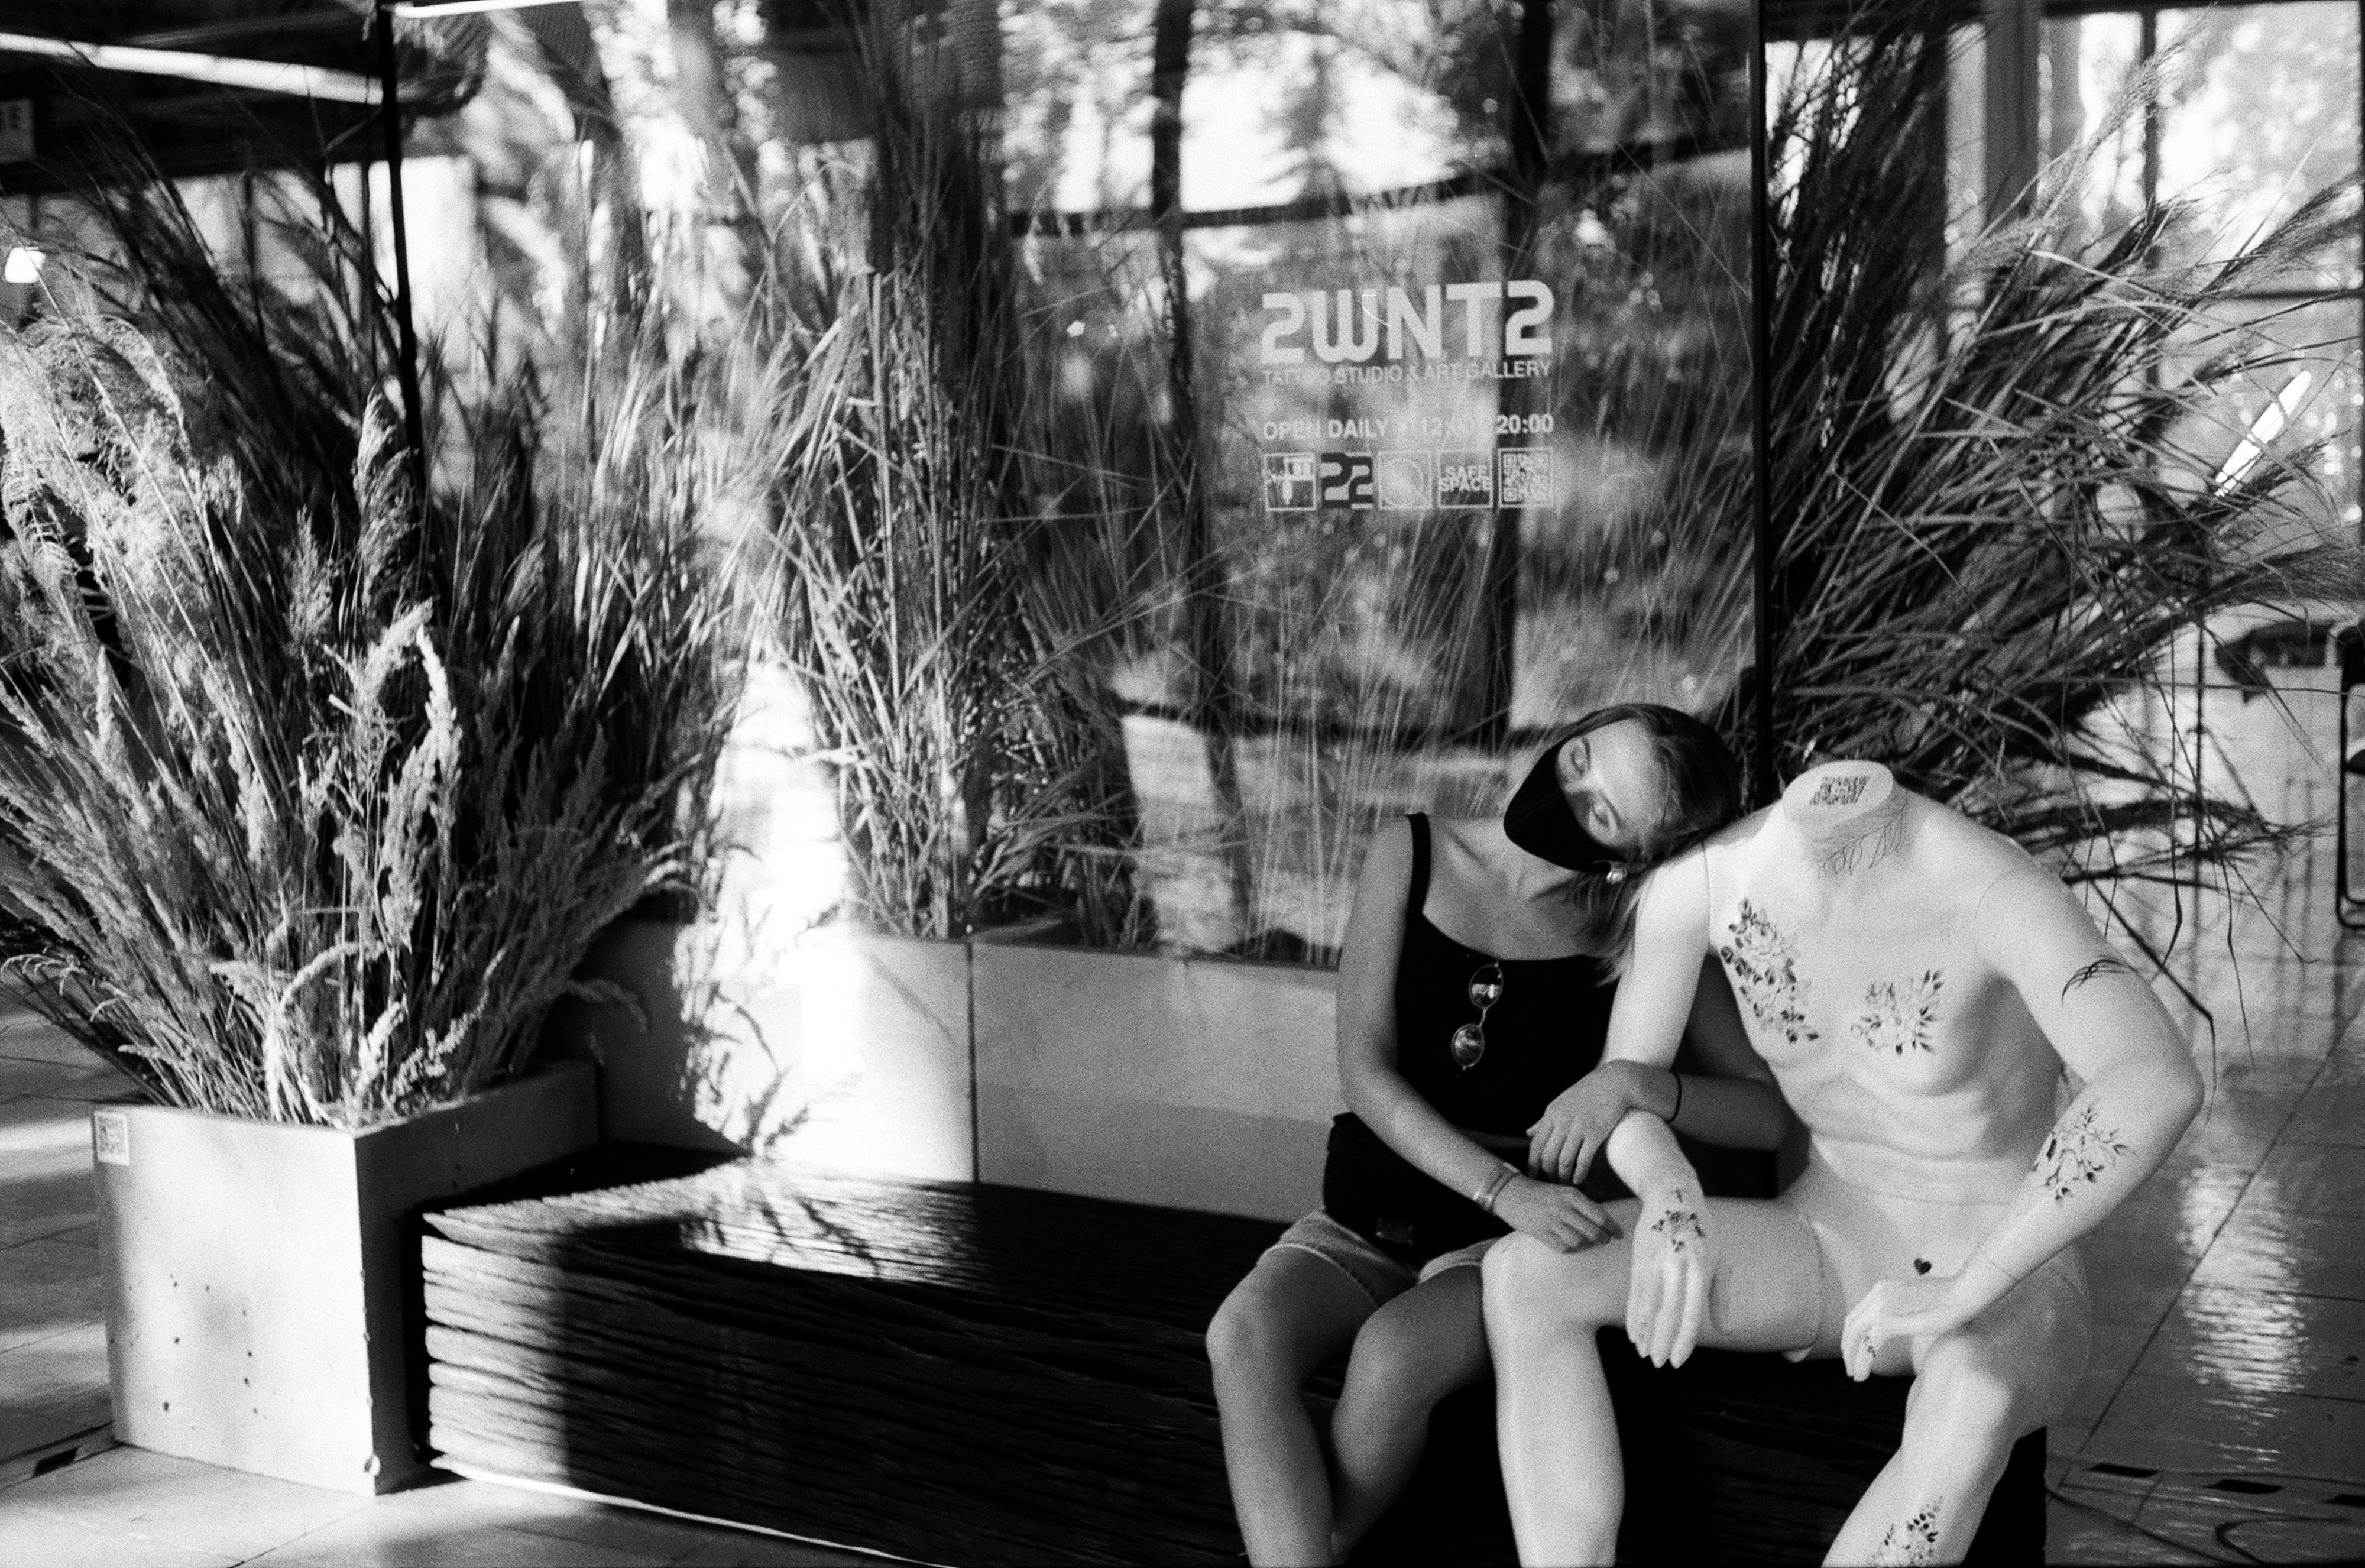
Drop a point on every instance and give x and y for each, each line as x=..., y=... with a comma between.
x=1763, y=964
x=1900, y=1015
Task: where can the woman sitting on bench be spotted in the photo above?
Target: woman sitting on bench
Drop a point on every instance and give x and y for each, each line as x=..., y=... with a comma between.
x=1473, y=996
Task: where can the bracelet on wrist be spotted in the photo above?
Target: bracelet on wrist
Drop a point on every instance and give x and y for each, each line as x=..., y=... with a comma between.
x=1491, y=1190
x=1679, y=1098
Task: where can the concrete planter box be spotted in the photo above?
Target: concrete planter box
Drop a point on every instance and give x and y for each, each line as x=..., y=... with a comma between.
x=884, y=1072
x=1197, y=1083
x=259, y=1275
x=699, y=1068
x=1203, y=1083
x=845, y=1051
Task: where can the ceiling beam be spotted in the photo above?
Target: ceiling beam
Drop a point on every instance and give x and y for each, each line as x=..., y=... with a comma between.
x=226, y=71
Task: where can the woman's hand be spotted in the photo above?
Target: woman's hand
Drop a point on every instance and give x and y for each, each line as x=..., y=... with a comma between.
x=1562, y=1218
x=1564, y=1140
x=1674, y=1269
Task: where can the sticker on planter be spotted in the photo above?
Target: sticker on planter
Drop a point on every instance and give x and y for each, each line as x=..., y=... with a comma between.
x=110, y=1137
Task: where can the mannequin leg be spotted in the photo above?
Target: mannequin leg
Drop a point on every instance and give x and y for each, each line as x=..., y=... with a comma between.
x=1975, y=1393
x=1558, y=1434
x=1410, y=1354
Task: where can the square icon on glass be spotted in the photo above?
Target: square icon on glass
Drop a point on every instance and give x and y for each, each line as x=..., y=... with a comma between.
x=1289, y=481
x=1406, y=481
x=1465, y=479
x=1344, y=480
x=1527, y=476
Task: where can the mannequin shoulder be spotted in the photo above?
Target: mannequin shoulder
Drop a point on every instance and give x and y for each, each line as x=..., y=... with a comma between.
x=1972, y=862
x=1731, y=851
x=1736, y=837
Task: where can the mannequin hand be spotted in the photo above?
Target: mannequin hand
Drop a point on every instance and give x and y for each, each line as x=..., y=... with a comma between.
x=1562, y=1217
x=1564, y=1140
x=1674, y=1265
x=1919, y=1309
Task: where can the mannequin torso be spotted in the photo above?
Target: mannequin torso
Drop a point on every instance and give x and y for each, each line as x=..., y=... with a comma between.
x=1850, y=934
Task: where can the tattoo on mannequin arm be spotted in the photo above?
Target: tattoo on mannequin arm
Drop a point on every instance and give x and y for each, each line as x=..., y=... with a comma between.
x=2078, y=1152
x=2106, y=965
x=1912, y=1541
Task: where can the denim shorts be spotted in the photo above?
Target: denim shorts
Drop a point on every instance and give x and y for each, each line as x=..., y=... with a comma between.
x=1383, y=1273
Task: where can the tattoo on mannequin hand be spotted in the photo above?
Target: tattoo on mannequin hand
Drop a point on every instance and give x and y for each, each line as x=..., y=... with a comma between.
x=1900, y=1015
x=1764, y=963
x=1912, y=1541
x=2105, y=965
x=2077, y=1154
x=1680, y=1227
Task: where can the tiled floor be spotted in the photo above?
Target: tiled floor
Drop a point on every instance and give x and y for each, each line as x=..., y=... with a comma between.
x=2222, y=1420
x=129, y=1509
x=53, y=1348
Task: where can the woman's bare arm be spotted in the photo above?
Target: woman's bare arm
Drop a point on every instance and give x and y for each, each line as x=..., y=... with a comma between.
x=1735, y=1103
x=1378, y=1093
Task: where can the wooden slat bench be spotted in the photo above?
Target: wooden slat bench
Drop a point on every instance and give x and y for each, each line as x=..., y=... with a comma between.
x=971, y=1374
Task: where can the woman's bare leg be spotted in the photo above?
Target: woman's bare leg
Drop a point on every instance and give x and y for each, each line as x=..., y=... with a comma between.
x=1414, y=1352
x=1292, y=1314
x=1558, y=1435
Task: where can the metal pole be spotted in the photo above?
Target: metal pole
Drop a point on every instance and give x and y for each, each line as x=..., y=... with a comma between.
x=1763, y=780
x=405, y=335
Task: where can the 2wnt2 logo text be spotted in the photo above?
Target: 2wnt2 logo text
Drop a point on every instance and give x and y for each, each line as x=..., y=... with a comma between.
x=1345, y=326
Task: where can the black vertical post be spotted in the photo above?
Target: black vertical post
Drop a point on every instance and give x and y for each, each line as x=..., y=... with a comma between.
x=1169, y=71
x=1763, y=779
x=405, y=335
x=1214, y=698
x=1528, y=134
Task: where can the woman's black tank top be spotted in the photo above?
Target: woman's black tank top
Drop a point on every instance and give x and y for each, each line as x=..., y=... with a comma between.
x=1543, y=1032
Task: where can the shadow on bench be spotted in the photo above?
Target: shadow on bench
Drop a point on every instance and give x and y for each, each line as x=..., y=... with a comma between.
x=991, y=1375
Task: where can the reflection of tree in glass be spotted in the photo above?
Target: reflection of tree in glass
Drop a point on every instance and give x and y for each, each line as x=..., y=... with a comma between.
x=1643, y=71
x=1459, y=50
x=1061, y=57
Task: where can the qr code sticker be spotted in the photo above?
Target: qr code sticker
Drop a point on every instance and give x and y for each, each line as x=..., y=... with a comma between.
x=1527, y=477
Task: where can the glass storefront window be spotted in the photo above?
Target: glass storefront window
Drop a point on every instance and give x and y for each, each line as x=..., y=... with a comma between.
x=1468, y=392
x=2259, y=114
x=1290, y=101
x=2085, y=77
x=2307, y=396
x=1077, y=102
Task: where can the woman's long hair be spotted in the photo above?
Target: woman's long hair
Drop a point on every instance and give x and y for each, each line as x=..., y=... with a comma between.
x=1701, y=781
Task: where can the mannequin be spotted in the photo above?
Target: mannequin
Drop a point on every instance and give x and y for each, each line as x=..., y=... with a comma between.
x=1919, y=986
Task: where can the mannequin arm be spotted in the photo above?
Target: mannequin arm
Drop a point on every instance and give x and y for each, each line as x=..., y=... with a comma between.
x=1734, y=1102
x=1655, y=1001
x=2141, y=1089
x=2140, y=1093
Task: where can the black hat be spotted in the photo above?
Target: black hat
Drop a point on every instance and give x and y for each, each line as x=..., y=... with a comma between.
x=1538, y=820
